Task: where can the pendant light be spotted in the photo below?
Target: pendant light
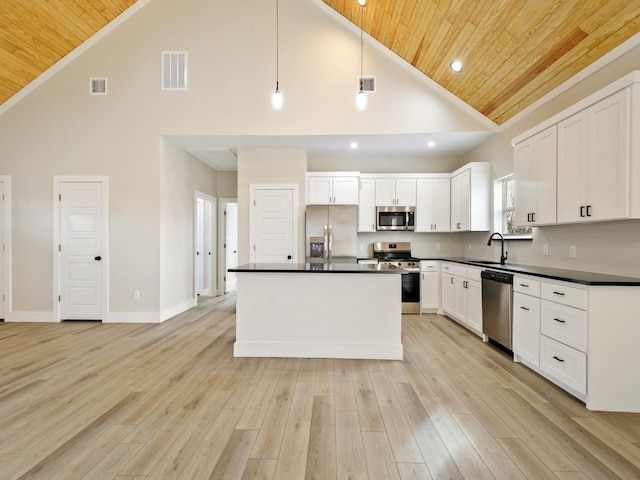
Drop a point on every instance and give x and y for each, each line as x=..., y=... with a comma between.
x=361, y=97
x=276, y=97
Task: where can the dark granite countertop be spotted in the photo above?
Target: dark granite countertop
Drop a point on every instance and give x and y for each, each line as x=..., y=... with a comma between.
x=313, y=268
x=574, y=276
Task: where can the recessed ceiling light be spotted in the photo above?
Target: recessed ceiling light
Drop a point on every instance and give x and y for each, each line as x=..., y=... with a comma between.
x=431, y=144
x=354, y=145
x=456, y=66
x=362, y=2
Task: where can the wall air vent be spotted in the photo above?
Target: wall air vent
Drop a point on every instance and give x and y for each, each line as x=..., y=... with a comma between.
x=97, y=86
x=368, y=84
x=174, y=71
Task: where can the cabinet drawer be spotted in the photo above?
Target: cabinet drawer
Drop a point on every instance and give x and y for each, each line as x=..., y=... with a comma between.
x=526, y=285
x=563, y=363
x=448, y=267
x=561, y=293
x=429, y=266
x=567, y=325
x=460, y=271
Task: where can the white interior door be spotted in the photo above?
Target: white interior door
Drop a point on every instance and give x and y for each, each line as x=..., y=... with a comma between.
x=82, y=250
x=231, y=244
x=199, y=245
x=273, y=225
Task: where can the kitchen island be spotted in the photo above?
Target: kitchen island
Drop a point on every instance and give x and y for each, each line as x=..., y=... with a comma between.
x=323, y=310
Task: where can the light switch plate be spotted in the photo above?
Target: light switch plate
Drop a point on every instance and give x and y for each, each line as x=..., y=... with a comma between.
x=545, y=250
x=572, y=251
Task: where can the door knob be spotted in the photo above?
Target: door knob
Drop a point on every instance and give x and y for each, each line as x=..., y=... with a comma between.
x=288, y=257
x=98, y=258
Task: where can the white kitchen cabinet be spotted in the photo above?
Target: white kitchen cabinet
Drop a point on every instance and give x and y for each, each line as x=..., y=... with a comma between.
x=392, y=192
x=433, y=201
x=429, y=286
x=448, y=289
x=462, y=296
x=535, y=162
x=470, y=198
x=332, y=189
x=367, y=205
x=594, y=161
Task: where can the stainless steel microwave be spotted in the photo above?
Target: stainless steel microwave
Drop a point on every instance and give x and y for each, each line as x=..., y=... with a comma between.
x=395, y=218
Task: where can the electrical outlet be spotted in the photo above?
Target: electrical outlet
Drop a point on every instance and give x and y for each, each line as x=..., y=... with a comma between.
x=572, y=251
x=136, y=295
x=545, y=250
x=437, y=246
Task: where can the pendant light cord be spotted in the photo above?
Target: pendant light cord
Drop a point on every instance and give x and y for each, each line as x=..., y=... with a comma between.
x=361, y=47
x=277, y=44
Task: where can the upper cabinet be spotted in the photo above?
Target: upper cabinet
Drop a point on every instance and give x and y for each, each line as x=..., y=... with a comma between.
x=433, y=200
x=597, y=160
x=535, y=173
x=332, y=189
x=367, y=205
x=470, y=198
x=391, y=192
x=593, y=162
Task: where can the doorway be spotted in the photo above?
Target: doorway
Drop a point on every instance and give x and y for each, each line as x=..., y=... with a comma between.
x=5, y=241
x=81, y=232
x=204, y=245
x=230, y=244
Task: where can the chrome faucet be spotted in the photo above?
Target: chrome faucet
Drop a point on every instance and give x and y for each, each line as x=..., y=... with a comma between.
x=503, y=255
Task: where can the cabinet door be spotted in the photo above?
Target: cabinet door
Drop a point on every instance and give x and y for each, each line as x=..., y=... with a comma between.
x=546, y=161
x=448, y=293
x=367, y=206
x=465, y=200
x=608, y=164
x=385, y=192
x=456, y=203
x=320, y=190
x=460, y=300
x=345, y=190
x=442, y=205
x=525, y=175
x=474, y=305
x=429, y=291
x=526, y=328
x=572, y=168
x=406, y=192
x=425, y=194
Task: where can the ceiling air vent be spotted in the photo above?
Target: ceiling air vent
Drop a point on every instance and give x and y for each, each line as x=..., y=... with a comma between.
x=368, y=84
x=97, y=86
x=174, y=71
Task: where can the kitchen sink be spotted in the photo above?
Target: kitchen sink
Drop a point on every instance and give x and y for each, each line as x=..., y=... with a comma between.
x=482, y=262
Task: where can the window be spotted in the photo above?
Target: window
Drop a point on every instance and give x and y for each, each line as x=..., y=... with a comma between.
x=504, y=190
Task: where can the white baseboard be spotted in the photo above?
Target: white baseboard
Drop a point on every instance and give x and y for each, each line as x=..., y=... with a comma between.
x=31, y=317
x=133, y=317
x=178, y=309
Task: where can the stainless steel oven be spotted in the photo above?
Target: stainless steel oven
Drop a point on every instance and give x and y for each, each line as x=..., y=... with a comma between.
x=398, y=256
x=395, y=218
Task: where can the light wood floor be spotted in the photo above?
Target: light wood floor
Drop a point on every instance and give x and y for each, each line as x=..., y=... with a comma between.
x=104, y=401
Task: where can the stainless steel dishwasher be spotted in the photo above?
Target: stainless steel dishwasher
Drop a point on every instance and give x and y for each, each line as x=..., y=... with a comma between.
x=497, y=306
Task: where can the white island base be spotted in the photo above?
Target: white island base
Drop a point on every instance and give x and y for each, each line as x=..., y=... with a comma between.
x=319, y=315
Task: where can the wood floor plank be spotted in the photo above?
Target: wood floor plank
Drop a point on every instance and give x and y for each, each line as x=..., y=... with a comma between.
x=321, y=457
x=234, y=458
x=350, y=458
x=528, y=463
x=344, y=393
x=259, y=469
x=366, y=400
x=414, y=471
x=379, y=456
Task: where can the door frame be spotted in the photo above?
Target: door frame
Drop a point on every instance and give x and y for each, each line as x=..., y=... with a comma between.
x=222, y=240
x=6, y=235
x=212, y=235
x=295, y=217
x=58, y=180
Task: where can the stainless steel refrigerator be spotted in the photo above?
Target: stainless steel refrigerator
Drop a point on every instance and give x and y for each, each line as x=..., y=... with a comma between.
x=331, y=233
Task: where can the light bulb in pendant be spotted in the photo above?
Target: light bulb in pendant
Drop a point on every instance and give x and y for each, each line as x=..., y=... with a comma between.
x=276, y=99
x=361, y=100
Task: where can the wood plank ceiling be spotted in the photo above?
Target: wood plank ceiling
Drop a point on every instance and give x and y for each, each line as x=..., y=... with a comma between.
x=514, y=51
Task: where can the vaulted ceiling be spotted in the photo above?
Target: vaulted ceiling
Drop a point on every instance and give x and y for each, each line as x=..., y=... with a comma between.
x=513, y=51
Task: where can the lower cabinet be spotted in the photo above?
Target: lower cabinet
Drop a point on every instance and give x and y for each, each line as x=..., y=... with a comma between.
x=429, y=286
x=462, y=295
